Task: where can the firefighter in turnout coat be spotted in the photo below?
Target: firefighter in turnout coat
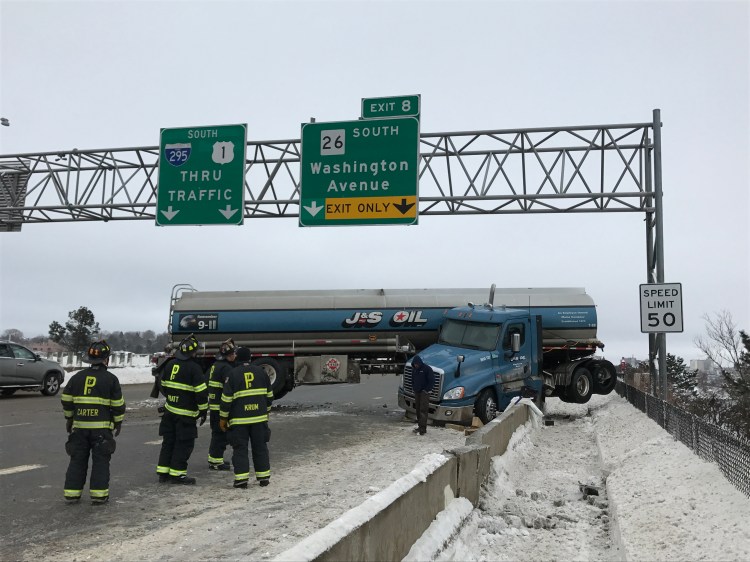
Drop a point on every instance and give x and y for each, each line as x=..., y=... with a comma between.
x=187, y=400
x=93, y=406
x=217, y=376
x=245, y=403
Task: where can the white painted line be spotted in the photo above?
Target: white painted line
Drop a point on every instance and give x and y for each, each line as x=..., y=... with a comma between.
x=15, y=424
x=153, y=442
x=22, y=468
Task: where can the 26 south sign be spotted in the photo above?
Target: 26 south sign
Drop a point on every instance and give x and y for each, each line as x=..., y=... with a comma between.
x=201, y=175
x=359, y=172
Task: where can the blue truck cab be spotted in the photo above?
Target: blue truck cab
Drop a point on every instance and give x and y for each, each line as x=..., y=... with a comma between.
x=486, y=355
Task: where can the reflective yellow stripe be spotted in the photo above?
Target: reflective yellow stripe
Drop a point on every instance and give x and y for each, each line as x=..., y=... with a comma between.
x=270, y=394
x=201, y=387
x=162, y=470
x=72, y=493
x=93, y=425
x=215, y=460
x=250, y=392
x=120, y=402
x=117, y=419
x=245, y=421
x=67, y=397
x=180, y=411
x=243, y=476
x=91, y=400
x=225, y=398
x=173, y=472
x=266, y=473
x=214, y=407
x=98, y=493
x=216, y=384
x=179, y=386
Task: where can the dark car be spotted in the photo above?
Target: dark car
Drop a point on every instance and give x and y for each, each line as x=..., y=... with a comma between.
x=22, y=369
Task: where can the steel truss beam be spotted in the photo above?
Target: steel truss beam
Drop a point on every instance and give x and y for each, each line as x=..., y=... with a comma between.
x=582, y=169
x=568, y=169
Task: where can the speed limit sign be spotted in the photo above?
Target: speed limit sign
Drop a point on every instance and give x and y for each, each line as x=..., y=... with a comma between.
x=661, y=307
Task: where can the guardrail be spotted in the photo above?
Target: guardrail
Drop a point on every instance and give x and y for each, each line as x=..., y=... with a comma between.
x=403, y=511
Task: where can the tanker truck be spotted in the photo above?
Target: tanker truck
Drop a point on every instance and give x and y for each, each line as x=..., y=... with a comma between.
x=536, y=343
x=313, y=337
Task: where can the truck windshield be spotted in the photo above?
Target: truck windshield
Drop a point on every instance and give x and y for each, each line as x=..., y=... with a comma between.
x=474, y=335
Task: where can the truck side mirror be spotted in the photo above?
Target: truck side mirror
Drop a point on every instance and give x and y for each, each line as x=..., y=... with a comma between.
x=515, y=345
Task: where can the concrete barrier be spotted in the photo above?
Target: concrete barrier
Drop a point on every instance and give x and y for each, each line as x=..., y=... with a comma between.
x=386, y=525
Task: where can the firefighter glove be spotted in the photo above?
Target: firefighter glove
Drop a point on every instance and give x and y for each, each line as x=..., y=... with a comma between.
x=69, y=425
x=202, y=417
x=223, y=424
x=118, y=427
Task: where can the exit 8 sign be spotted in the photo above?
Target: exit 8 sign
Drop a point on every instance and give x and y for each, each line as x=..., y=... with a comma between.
x=394, y=106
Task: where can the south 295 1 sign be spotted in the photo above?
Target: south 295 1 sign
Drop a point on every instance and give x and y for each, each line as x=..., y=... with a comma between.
x=359, y=172
x=201, y=175
x=661, y=307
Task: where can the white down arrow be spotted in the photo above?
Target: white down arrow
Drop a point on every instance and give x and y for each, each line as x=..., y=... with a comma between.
x=169, y=213
x=228, y=212
x=313, y=209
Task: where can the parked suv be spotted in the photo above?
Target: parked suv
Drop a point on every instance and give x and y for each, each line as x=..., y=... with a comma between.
x=21, y=368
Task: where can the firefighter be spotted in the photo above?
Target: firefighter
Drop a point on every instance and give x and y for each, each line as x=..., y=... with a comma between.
x=217, y=376
x=93, y=406
x=187, y=400
x=245, y=403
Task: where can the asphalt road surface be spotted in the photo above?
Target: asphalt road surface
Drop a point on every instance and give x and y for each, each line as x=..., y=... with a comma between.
x=33, y=460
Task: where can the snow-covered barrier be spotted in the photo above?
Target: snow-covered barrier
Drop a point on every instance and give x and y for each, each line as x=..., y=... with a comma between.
x=386, y=525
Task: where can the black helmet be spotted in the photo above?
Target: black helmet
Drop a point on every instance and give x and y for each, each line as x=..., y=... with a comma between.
x=227, y=348
x=187, y=347
x=98, y=352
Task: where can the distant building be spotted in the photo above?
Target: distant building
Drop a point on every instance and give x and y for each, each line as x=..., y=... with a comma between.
x=704, y=366
x=45, y=347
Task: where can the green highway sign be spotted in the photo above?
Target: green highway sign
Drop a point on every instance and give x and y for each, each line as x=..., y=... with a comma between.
x=201, y=175
x=395, y=106
x=359, y=172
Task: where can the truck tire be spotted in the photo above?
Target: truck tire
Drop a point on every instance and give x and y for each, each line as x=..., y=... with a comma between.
x=276, y=374
x=581, y=386
x=486, y=406
x=604, y=376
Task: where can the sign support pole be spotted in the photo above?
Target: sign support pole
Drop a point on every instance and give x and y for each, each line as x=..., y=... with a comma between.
x=661, y=338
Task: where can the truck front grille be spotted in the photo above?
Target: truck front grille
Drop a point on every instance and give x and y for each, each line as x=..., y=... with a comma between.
x=436, y=389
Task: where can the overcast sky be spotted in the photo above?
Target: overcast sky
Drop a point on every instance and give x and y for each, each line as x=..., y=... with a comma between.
x=110, y=74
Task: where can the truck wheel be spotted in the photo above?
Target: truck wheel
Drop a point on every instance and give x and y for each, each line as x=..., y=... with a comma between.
x=276, y=374
x=50, y=384
x=580, y=388
x=8, y=391
x=486, y=406
x=604, y=377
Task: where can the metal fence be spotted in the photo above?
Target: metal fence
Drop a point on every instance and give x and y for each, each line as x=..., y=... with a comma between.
x=710, y=442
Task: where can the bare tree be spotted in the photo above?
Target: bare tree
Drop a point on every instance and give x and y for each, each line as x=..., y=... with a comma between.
x=722, y=343
x=13, y=334
x=729, y=349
